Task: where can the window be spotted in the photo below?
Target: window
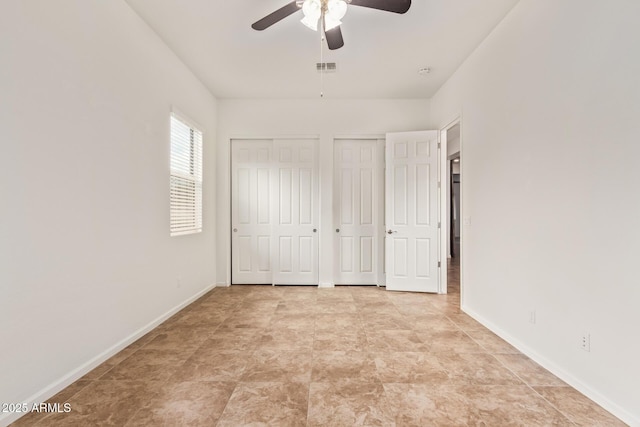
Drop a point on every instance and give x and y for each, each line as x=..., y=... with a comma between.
x=186, y=177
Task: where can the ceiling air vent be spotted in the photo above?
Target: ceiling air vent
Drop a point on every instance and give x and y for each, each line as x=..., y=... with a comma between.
x=326, y=67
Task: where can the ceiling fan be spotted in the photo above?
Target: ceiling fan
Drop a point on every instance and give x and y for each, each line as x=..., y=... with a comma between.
x=328, y=13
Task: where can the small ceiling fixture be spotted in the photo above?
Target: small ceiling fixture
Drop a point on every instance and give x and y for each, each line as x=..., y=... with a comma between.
x=424, y=71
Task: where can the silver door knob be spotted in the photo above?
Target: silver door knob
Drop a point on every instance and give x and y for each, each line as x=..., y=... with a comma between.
x=314, y=230
x=337, y=230
x=390, y=232
x=235, y=230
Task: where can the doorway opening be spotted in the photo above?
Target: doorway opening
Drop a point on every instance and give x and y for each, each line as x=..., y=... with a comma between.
x=451, y=214
x=453, y=265
x=454, y=206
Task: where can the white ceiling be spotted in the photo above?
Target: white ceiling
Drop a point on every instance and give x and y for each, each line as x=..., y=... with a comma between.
x=381, y=57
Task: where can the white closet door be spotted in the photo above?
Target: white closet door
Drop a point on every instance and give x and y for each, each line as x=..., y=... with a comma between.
x=295, y=213
x=251, y=211
x=355, y=205
x=412, y=211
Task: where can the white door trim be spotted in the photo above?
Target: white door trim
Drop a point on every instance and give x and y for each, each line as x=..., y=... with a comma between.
x=445, y=190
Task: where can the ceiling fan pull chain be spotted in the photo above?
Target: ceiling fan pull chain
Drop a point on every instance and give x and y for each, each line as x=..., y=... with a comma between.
x=322, y=64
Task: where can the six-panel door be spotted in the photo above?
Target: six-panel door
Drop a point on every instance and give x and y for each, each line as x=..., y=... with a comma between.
x=412, y=211
x=251, y=213
x=356, y=199
x=295, y=212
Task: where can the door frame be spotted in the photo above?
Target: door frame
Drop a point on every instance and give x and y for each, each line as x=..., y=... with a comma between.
x=444, y=217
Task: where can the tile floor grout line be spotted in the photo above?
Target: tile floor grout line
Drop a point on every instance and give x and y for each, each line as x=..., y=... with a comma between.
x=532, y=389
x=313, y=342
x=163, y=383
x=515, y=374
x=237, y=382
x=553, y=405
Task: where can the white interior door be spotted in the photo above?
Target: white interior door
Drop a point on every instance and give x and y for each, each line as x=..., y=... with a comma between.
x=295, y=212
x=356, y=194
x=411, y=215
x=251, y=211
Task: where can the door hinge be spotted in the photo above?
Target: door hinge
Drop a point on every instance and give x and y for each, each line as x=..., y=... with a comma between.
x=439, y=184
x=439, y=263
x=438, y=225
x=438, y=144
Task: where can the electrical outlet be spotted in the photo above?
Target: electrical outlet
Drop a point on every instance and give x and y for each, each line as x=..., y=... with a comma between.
x=532, y=316
x=585, y=341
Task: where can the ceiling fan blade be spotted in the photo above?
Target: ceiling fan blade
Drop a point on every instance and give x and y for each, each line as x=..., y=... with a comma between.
x=396, y=6
x=276, y=16
x=334, y=38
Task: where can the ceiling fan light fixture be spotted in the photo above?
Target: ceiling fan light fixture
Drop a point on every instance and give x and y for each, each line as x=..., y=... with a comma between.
x=311, y=23
x=330, y=23
x=331, y=11
x=336, y=9
x=312, y=10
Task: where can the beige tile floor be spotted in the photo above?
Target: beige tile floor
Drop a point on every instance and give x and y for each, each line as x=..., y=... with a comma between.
x=303, y=356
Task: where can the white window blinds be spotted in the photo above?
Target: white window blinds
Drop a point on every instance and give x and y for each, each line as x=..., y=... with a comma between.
x=186, y=178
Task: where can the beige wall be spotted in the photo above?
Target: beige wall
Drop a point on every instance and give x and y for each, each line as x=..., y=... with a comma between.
x=550, y=104
x=86, y=260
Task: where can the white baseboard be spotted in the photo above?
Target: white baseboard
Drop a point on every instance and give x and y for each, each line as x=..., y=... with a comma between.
x=559, y=372
x=326, y=285
x=222, y=285
x=63, y=382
